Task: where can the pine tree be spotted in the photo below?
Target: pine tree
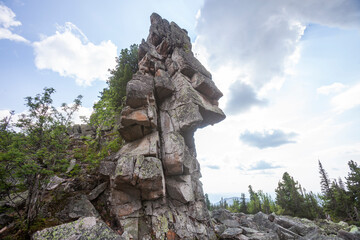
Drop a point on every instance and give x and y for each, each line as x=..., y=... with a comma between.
x=353, y=185
x=243, y=205
x=207, y=202
x=289, y=197
x=254, y=206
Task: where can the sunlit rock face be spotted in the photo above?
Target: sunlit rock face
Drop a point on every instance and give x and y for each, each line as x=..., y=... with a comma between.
x=155, y=191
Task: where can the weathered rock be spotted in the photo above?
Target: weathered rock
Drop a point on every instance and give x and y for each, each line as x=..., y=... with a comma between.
x=147, y=146
x=54, y=182
x=144, y=173
x=85, y=228
x=132, y=133
x=180, y=188
x=155, y=191
x=163, y=85
x=348, y=235
x=78, y=206
x=231, y=233
x=140, y=91
x=97, y=191
x=150, y=178
x=140, y=116
x=188, y=64
x=107, y=168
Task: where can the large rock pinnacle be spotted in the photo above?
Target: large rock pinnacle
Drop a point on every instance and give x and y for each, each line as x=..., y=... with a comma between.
x=155, y=188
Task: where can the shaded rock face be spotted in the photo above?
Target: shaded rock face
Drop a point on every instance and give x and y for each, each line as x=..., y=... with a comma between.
x=155, y=191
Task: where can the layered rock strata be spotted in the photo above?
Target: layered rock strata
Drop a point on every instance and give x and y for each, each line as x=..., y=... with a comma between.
x=155, y=191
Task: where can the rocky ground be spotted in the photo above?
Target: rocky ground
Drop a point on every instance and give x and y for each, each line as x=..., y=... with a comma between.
x=272, y=227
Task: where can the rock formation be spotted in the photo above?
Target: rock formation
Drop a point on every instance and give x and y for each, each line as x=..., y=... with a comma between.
x=155, y=191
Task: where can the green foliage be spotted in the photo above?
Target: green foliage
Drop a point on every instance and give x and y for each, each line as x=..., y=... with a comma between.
x=294, y=200
x=37, y=150
x=243, y=205
x=111, y=102
x=339, y=203
x=207, y=202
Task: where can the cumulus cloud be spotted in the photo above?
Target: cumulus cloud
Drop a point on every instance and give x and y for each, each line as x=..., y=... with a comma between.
x=267, y=138
x=263, y=165
x=7, y=22
x=262, y=37
x=69, y=53
x=328, y=89
x=347, y=99
x=241, y=98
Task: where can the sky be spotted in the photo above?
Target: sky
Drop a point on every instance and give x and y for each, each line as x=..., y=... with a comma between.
x=289, y=71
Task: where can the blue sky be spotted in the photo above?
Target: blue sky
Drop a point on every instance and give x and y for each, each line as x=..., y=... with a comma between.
x=289, y=71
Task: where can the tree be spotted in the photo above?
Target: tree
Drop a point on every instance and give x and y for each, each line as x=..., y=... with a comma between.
x=112, y=98
x=254, y=206
x=207, y=202
x=243, y=205
x=325, y=183
x=44, y=143
x=127, y=65
x=353, y=184
x=289, y=197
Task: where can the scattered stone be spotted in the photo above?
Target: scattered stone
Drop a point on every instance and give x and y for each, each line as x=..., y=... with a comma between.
x=71, y=166
x=97, y=191
x=54, y=182
x=77, y=207
x=231, y=233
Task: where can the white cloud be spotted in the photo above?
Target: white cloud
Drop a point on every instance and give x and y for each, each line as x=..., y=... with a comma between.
x=7, y=21
x=347, y=99
x=69, y=53
x=333, y=88
x=263, y=36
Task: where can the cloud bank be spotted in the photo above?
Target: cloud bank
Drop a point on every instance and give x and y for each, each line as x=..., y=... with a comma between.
x=266, y=139
x=262, y=37
x=7, y=22
x=69, y=53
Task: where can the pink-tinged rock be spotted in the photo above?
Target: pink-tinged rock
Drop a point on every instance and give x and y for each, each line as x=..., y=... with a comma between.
x=147, y=146
x=206, y=86
x=132, y=132
x=145, y=116
x=139, y=91
x=150, y=178
x=180, y=188
x=163, y=85
x=125, y=201
x=173, y=153
x=188, y=64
